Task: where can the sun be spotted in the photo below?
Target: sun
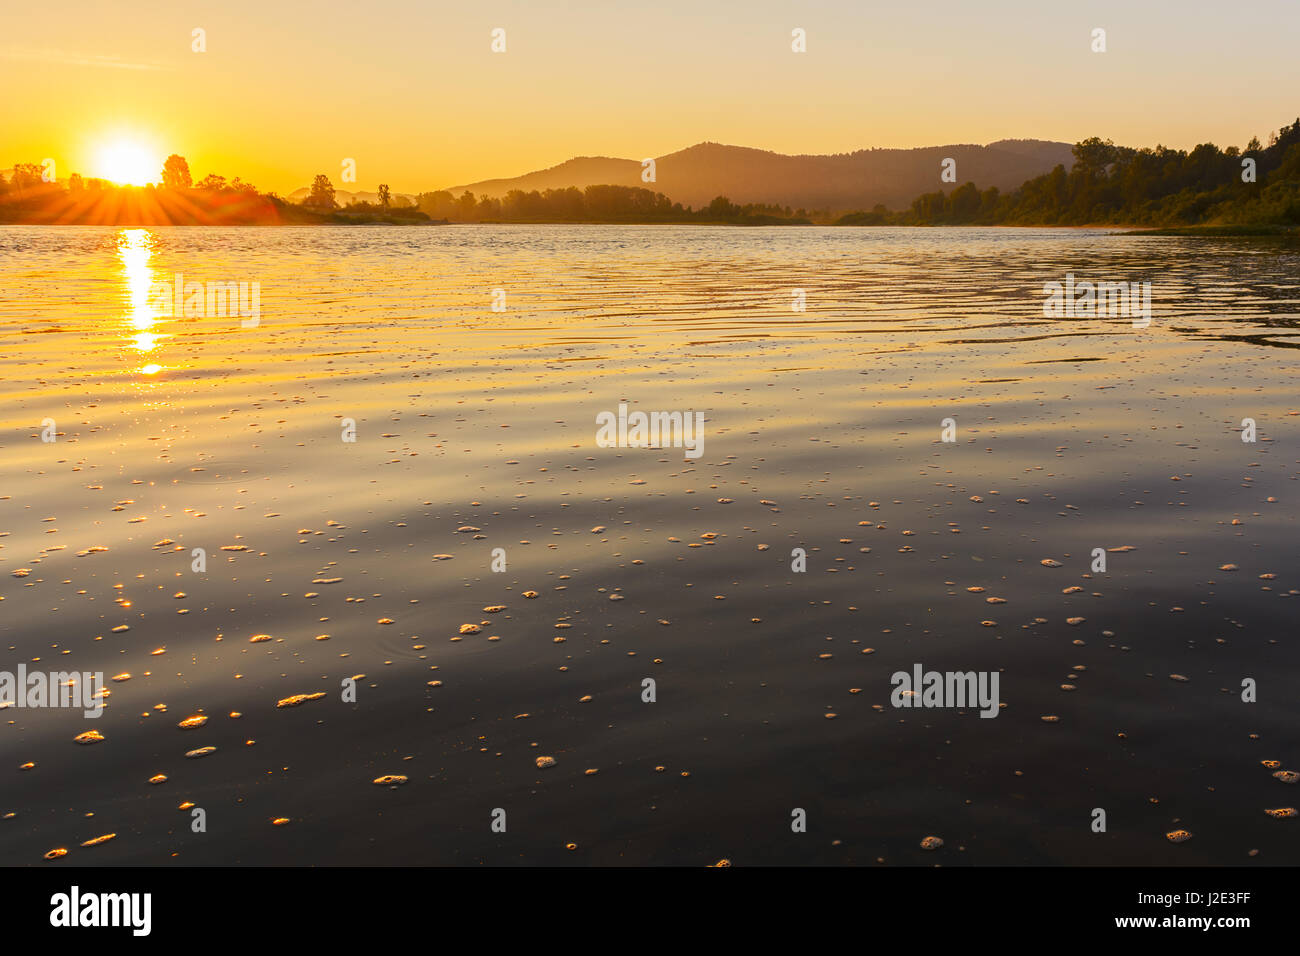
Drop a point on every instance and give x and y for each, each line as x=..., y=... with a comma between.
x=128, y=164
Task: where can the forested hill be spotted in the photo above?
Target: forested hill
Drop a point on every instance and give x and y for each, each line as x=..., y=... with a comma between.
x=1109, y=184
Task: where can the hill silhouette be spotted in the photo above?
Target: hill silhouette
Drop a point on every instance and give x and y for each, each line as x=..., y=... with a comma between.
x=1156, y=186
x=859, y=180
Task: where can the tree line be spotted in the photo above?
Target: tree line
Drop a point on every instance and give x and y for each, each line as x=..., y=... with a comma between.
x=1118, y=185
x=1107, y=184
x=614, y=204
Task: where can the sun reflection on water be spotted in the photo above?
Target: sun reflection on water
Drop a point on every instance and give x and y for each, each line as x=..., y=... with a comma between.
x=144, y=342
x=134, y=249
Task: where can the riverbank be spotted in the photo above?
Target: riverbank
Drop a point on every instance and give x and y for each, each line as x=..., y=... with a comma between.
x=1289, y=232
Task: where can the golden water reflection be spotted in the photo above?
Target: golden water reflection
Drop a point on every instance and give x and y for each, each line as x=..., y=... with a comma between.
x=145, y=342
x=134, y=249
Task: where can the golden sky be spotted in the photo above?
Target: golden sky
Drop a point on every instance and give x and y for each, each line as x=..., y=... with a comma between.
x=413, y=92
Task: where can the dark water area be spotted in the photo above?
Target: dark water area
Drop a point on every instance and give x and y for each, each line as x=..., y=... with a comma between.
x=477, y=430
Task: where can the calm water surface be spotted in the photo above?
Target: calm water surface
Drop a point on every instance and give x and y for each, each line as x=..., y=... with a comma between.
x=475, y=430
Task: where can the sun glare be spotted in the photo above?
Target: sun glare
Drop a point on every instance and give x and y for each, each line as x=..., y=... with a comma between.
x=128, y=164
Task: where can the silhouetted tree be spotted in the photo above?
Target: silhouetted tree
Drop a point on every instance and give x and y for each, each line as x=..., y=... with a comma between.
x=466, y=205
x=176, y=172
x=322, y=193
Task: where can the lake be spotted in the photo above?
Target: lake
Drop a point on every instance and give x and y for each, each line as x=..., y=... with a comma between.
x=391, y=466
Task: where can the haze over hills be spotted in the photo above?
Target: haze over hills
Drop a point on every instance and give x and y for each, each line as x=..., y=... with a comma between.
x=843, y=181
x=343, y=196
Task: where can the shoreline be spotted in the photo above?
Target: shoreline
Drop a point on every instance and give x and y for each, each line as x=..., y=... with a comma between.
x=1221, y=231
x=1131, y=230
x=1208, y=231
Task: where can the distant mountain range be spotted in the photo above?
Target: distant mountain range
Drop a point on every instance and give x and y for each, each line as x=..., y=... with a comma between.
x=844, y=181
x=841, y=182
